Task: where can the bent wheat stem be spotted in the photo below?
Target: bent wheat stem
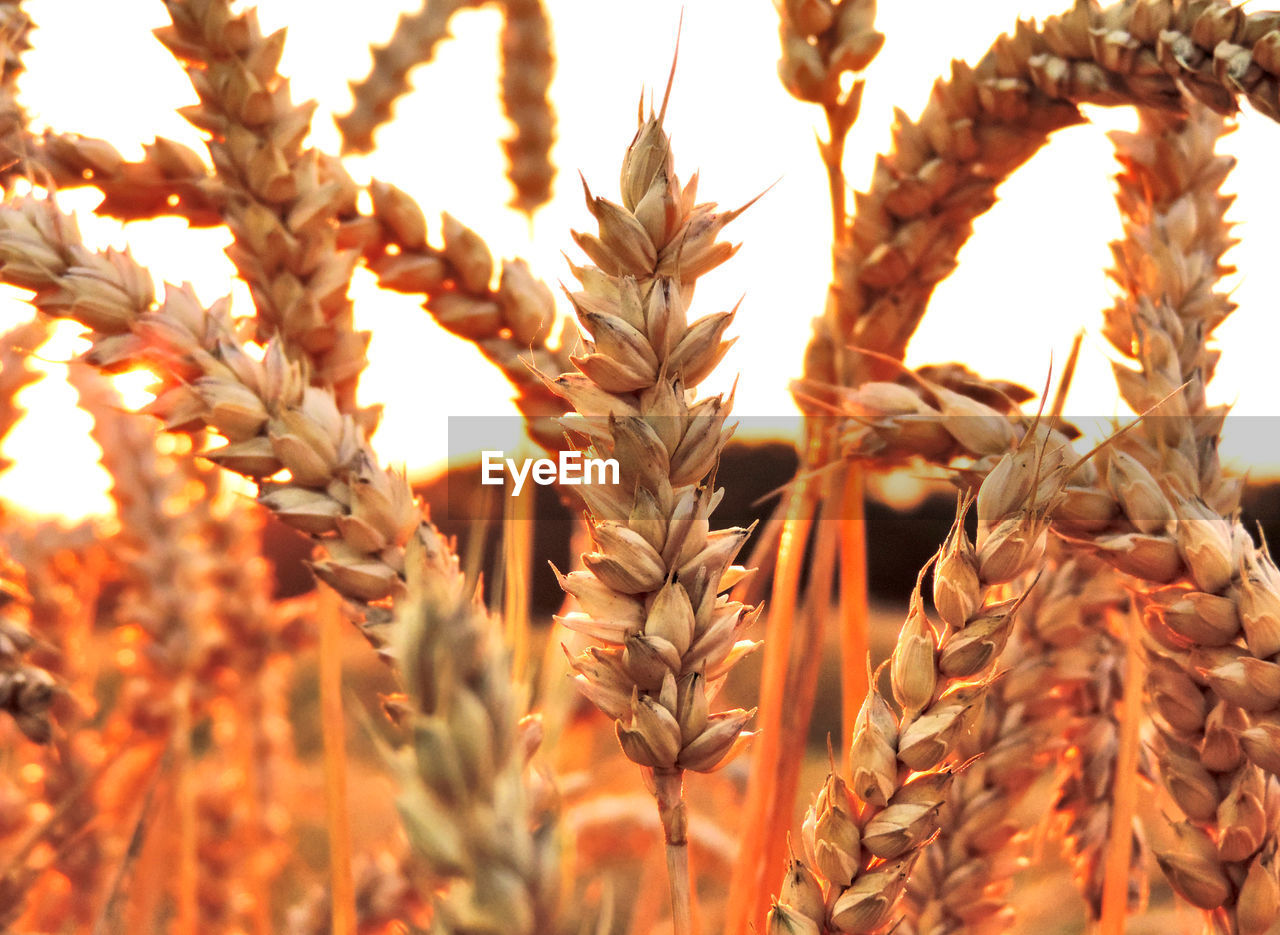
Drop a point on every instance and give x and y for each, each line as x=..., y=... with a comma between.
x=748, y=889
x=853, y=602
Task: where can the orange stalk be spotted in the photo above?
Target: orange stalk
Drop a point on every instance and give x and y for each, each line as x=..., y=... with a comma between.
x=853, y=605
x=335, y=763
x=517, y=531
x=802, y=680
x=749, y=889
x=1115, y=886
x=188, y=921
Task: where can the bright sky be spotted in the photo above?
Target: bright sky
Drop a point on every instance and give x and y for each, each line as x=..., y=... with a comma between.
x=1031, y=277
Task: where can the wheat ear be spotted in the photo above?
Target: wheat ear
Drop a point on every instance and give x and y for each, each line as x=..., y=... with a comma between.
x=269, y=416
x=469, y=813
x=1061, y=676
x=862, y=839
x=513, y=325
x=528, y=64
x=412, y=43
x=651, y=592
x=282, y=202
x=1211, y=633
x=986, y=120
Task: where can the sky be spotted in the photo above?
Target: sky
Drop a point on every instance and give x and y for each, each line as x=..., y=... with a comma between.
x=1031, y=277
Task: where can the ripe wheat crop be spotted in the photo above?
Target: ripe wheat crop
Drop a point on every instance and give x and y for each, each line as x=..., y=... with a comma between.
x=1083, y=683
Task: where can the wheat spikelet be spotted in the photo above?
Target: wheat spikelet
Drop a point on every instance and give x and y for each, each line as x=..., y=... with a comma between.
x=528, y=64
x=170, y=180
x=412, y=43
x=282, y=202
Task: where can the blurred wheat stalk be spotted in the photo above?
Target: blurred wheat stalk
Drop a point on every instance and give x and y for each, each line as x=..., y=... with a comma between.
x=1107, y=630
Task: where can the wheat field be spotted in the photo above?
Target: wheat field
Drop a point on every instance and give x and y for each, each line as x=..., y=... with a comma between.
x=277, y=692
